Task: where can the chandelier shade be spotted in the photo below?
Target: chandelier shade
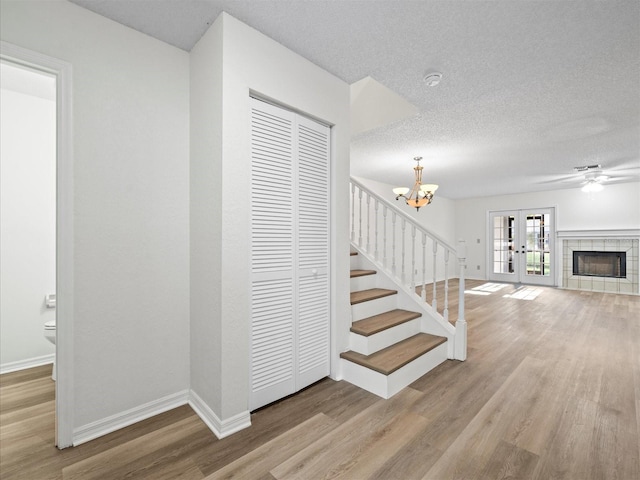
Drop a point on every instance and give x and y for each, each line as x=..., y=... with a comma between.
x=421, y=194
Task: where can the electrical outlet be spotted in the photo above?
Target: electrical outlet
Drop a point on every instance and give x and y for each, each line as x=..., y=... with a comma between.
x=477, y=240
x=477, y=267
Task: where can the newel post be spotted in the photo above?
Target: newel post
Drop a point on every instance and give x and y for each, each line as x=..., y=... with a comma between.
x=460, y=352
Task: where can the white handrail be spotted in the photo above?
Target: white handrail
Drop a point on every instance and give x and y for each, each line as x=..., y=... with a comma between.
x=402, y=214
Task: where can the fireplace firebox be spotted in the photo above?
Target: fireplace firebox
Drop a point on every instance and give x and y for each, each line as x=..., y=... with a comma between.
x=600, y=264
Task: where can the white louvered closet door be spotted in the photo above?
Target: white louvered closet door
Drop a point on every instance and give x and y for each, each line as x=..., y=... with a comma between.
x=313, y=252
x=289, y=252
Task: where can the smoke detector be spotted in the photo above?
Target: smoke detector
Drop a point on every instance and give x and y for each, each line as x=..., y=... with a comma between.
x=432, y=79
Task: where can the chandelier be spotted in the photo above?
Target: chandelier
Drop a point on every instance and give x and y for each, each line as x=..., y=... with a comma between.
x=420, y=195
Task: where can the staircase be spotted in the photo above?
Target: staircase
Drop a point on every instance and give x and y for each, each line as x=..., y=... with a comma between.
x=388, y=349
x=400, y=273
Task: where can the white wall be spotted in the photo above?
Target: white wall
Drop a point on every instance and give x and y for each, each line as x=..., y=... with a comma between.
x=28, y=229
x=252, y=62
x=615, y=207
x=131, y=174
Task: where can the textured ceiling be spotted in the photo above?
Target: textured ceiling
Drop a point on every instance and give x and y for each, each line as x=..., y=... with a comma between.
x=530, y=89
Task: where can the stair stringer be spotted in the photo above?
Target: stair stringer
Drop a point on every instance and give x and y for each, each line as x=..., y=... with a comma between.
x=430, y=322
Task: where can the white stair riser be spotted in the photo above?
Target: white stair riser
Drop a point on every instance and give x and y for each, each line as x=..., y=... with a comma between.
x=386, y=386
x=384, y=339
x=363, y=283
x=363, y=310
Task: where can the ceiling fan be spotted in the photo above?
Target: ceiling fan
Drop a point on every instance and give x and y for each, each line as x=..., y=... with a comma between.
x=592, y=177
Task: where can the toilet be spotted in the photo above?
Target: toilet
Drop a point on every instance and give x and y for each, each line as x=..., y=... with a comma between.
x=50, y=334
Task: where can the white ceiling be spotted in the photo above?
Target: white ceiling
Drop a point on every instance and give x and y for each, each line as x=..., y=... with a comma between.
x=530, y=88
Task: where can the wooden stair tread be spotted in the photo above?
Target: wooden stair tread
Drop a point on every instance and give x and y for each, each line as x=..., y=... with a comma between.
x=383, y=321
x=353, y=253
x=362, y=273
x=390, y=359
x=371, y=294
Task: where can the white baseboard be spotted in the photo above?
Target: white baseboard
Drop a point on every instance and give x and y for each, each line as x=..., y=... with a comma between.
x=115, y=422
x=28, y=363
x=220, y=428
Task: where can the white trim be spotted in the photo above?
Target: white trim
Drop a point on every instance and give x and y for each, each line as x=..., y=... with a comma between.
x=65, y=399
x=28, y=363
x=220, y=428
x=618, y=233
x=278, y=104
x=129, y=417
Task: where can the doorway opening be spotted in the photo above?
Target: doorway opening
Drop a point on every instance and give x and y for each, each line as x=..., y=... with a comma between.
x=28, y=217
x=36, y=62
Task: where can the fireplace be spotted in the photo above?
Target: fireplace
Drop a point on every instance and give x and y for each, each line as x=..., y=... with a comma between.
x=600, y=260
x=600, y=264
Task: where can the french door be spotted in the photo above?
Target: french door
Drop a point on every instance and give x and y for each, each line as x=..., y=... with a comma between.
x=522, y=246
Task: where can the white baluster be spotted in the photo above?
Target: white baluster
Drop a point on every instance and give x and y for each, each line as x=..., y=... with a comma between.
x=353, y=212
x=423, y=293
x=368, y=223
x=384, y=236
x=360, y=218
x=375, y=253
x=393, y=243
x=434, y=300
x=404, y=224
x=446, y=284
x=413, y=258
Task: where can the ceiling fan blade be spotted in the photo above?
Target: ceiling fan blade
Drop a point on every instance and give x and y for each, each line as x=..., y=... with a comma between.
x=561, y=179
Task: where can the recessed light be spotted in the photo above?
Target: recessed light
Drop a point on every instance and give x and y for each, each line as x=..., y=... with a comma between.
x=432, y=79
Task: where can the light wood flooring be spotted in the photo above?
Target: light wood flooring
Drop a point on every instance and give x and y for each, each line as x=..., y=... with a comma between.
x=550, y=390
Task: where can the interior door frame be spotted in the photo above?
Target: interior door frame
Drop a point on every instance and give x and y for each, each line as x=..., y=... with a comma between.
x=520, y=275
x=64, y=230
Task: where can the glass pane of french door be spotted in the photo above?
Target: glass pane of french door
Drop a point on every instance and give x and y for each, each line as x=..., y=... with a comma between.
x=504, y=235
x=522, y=246
x=538, y=254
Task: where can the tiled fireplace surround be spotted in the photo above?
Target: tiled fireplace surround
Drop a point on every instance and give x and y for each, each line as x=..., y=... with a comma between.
x=602, y=241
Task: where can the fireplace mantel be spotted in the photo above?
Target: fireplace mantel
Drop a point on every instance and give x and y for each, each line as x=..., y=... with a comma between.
x=596, y=234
